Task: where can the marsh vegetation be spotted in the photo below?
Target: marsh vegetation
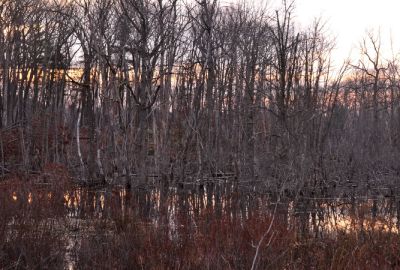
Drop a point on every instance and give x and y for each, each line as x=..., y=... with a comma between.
x=169, y=134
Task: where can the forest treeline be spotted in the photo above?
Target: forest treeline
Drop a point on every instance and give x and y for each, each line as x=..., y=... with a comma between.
x=112, y=88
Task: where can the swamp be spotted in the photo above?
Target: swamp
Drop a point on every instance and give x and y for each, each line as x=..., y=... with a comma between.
x=206, y=134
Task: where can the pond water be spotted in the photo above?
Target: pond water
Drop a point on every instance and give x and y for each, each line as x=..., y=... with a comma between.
x=321, y=215
x=160, y=206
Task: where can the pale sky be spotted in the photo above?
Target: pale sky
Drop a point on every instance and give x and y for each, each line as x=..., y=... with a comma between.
x=348, y=21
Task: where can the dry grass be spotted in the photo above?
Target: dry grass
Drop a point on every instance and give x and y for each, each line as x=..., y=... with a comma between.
x=32, y=237
x=29, y=235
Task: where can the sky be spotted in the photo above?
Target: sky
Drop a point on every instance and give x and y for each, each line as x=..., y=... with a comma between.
x=348, y=22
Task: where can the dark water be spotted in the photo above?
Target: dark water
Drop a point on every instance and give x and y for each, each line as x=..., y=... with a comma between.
x=162, y=206
x=320, y=216
x=317, y=216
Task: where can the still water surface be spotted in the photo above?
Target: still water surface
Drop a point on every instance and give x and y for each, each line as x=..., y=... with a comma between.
x=160, y=206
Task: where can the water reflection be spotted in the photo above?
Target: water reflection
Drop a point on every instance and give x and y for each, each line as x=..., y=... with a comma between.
x=320, y=217
x=14, y=196
x=174, y=208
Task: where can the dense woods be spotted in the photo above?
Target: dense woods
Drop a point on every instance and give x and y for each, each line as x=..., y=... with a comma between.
x=131, y=88
x=186, y=94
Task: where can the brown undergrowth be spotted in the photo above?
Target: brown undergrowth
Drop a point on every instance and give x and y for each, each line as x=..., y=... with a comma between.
x=211, y=241
x=33, y=236
x=30, y=218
